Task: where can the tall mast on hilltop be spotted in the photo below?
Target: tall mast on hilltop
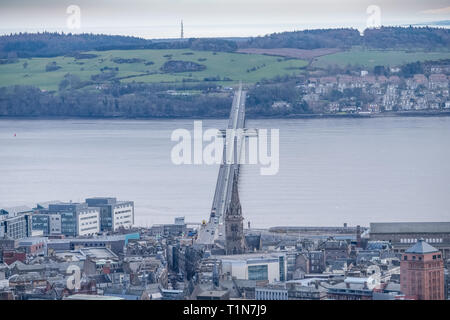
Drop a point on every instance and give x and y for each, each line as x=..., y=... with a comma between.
x=182, y=31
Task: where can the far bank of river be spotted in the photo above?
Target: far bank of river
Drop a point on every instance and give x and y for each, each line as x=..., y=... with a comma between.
x=361, y=115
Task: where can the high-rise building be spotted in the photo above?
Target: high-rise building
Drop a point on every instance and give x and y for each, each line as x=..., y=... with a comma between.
x=234, y=226
x=422, y=272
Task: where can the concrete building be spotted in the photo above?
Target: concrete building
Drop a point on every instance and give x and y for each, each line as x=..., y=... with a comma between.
x=49, y=224
x=214, y=295
x=15, y=224
x=175, y=229
x=269, y=267
x=353, y=288
x=113, y=214
x=422, y=272
x=271, y=292
x=402, y=235
x=77, y=219
x=34, y=245
x=117, y=243
x=306, y=289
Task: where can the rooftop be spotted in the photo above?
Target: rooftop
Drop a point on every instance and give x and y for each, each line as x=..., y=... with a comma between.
x=421, y=247
x=410, y=227
x=91, y=297
x=13, y=211
x=249, y=257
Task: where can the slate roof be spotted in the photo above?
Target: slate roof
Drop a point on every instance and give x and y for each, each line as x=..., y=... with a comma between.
x=421, y=247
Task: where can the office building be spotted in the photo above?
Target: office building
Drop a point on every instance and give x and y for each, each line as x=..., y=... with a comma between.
x=114, y=215
x=270, y=267
x=77, y=219
x=15, y=223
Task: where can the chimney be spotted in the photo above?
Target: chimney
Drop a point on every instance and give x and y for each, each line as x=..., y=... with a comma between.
x=358, y=236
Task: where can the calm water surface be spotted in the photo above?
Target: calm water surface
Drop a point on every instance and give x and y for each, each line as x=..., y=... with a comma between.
x=331, y=170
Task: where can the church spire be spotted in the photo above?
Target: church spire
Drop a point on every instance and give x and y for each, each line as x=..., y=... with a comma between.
x=234, y=227
x=234, y=208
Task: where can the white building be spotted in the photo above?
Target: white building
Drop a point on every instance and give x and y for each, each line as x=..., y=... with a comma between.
x=123, y=215
x=114, y=214
x=88, y=222
x=271, y=267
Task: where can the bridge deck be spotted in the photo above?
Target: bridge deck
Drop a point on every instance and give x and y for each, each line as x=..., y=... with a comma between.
x=214, y=229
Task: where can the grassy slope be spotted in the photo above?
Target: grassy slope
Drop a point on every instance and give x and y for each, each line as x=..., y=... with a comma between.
x=371, y=58
x=231, y=65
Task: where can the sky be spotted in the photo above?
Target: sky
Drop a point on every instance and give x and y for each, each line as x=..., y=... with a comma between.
x=205, y=18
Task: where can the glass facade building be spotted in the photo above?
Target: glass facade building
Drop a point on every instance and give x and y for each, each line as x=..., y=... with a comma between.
x=259, y=272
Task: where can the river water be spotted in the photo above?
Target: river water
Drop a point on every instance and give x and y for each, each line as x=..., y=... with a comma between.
x=331, y=170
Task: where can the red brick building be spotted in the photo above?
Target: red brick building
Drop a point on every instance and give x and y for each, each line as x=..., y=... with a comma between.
x=422, y=272
x=10, y=256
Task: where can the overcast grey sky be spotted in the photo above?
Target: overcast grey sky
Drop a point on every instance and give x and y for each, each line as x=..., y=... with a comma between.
x=161, y=18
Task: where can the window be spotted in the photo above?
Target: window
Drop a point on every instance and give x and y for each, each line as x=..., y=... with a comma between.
x=258, y=272
x=281, y=265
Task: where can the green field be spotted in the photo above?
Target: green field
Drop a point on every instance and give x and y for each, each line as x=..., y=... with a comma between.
x=371, y=58
x=230, y=65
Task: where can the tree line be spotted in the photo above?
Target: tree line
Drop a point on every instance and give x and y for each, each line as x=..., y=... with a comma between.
x=51, y=44
x=141, y=100
x=381, y=38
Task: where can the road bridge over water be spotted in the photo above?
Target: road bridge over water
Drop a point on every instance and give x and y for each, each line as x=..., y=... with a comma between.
x=214, y=230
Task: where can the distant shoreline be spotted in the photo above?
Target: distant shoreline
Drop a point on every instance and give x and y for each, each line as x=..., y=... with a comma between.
x=400, y=114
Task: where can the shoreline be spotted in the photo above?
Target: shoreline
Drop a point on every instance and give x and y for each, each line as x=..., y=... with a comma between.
x=399, y=114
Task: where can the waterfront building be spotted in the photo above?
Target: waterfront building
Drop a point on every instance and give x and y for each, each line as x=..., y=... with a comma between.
x=77, y=219
x=401, y=235
x=176, y=229
x=15, y=223
x=114, y=214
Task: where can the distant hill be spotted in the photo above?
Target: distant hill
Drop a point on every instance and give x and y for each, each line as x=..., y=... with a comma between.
x=25, y=45
x=407, y=38
x=383, y=38
x=434, y=23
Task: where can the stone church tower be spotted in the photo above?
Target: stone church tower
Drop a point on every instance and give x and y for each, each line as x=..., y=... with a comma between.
x=234, y=226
